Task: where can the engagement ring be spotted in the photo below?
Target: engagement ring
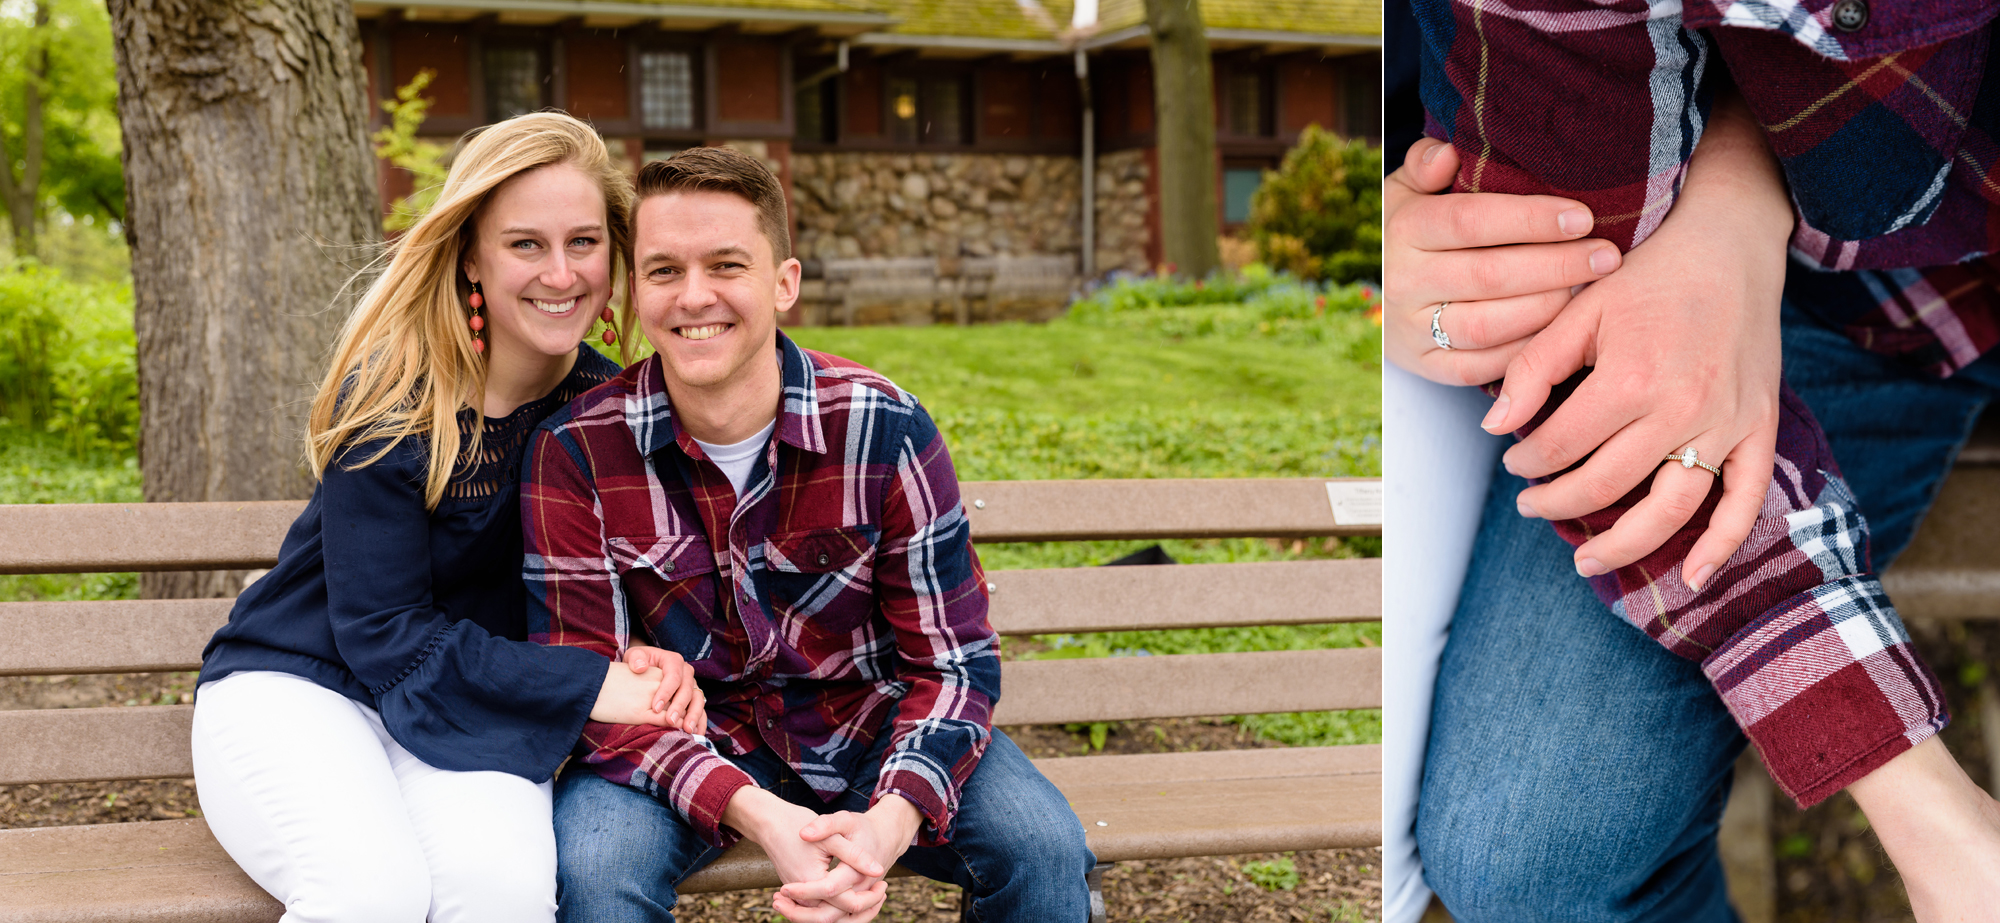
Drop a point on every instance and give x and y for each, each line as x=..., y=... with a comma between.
x=1437, y=330
x=1688, y=460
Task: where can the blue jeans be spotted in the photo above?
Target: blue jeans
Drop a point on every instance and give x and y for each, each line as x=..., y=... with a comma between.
x=1016, y=846
x=1576, y=770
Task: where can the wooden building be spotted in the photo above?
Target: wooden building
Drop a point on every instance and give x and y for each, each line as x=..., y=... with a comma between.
x=902, y=128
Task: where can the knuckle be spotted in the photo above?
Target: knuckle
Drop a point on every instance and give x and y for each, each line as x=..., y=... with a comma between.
x=1677, y=508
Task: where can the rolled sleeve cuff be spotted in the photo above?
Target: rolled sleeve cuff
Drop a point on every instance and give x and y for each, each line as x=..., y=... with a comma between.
x=929, y=790
x=701, y=790
x=1827, y=687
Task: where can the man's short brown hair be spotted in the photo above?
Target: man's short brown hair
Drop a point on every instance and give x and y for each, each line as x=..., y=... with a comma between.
x=722, y=169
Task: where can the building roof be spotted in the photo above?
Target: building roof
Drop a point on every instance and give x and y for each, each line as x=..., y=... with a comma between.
x=1311, y=17
x=966, y=26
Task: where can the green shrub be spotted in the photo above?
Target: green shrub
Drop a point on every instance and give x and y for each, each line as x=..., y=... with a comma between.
x=1320, y=215
x=67, y=359
x=1279, y=874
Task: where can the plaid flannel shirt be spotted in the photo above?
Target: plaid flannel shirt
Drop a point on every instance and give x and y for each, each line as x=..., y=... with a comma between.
x=1885, y=135
x=839, y=595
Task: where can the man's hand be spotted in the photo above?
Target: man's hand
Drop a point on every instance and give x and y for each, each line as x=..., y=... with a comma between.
x=851, y=892
x=652, y=687
x=1506, y=263
x=1685, y=347
x=678, y=695
x=884, y=833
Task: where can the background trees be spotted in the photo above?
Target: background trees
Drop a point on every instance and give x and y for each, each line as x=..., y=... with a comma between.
x=58, y=132
x=252, y=202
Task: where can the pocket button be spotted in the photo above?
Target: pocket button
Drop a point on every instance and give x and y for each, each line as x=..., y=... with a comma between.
x=823, y=559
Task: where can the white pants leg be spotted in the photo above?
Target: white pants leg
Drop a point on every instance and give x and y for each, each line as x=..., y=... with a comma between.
x=322, y=808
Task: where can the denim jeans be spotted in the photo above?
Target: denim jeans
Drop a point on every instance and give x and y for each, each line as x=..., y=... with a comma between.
x=1576, y=770
x=1016, y=846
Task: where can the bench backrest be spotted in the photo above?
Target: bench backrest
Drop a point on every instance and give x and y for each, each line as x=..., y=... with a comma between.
x=135, y=636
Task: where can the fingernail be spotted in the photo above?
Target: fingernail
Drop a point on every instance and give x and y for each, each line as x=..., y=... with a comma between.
x=1604, y=260
x=1589, y=567
x=1701, y=577
x=1496, y=414
x=1574, y=221
x=1527, y=510
x=1432, y=154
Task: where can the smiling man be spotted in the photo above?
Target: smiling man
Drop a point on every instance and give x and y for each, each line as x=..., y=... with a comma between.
x=789, y=522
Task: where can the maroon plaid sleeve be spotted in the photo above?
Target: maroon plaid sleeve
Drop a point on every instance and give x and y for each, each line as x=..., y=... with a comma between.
x=1794, y=631
x=1605, y=103
x=575, y=599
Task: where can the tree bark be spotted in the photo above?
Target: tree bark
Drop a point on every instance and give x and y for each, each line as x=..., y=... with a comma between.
x=1184, y=105
x=250, y=203
x=24, y=198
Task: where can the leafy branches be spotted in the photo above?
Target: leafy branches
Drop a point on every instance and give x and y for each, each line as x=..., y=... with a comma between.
x=398, y=144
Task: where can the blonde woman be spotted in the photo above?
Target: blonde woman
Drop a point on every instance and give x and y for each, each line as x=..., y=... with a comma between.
x=374, y=732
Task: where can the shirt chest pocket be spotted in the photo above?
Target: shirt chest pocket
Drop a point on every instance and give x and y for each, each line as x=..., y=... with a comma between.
x=823, y=579
x=667, y=576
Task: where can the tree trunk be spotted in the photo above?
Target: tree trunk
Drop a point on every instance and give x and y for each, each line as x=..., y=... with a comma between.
x=250, y=203
x=24, y=198
x=1184, y=104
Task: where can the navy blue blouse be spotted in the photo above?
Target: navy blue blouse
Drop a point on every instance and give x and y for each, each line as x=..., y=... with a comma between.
x=420, y=614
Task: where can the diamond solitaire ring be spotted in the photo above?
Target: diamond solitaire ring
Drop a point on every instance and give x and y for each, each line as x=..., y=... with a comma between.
x=1437, y=330
x=1688, y=460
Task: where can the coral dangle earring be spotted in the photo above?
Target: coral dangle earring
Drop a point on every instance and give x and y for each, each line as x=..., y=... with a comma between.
x=476, y=322
x=610, y=332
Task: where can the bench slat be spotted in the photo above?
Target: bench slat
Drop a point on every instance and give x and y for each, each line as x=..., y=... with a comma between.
x=1951, y=570
x=149, y=636
x=98, y=537
x=151, y=742
x=115, y=636
x=1154, y=806
x=1188, y=685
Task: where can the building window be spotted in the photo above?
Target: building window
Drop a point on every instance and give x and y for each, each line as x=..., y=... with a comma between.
x=1363, y=108
x=930, y=110
x=666, y=89
x=944, y=110
x=513, y=81
x=1238, y=185
x=903, y=110
x=1247, y=97
x=815, y=111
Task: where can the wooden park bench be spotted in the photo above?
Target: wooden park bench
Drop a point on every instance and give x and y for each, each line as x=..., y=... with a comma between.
x=1143, y=806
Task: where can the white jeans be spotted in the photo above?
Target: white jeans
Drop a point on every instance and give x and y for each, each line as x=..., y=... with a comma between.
x=312, y=797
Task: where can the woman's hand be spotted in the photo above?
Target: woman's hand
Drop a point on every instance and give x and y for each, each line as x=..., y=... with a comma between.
x=678, y=695
x=1506, y=264
x=1685, y=347
x=651, y=686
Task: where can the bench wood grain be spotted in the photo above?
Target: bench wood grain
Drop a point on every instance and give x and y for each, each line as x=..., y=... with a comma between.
x=1303, y=798
x=150, y=636
x=100, y=537
x=151, y=742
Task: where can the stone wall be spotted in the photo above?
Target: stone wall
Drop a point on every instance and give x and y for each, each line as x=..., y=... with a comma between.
x=904, y=205
x=1121, y=212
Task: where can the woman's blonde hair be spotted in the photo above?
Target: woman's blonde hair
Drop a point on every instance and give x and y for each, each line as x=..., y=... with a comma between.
x=404, y=365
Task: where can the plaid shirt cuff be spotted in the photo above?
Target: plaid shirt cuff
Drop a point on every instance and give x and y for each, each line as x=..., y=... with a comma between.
x=1827, y=686
x=915, y=781
x=701, y=790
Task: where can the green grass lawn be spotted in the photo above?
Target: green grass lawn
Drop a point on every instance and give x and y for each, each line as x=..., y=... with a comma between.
x=1198, y=391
